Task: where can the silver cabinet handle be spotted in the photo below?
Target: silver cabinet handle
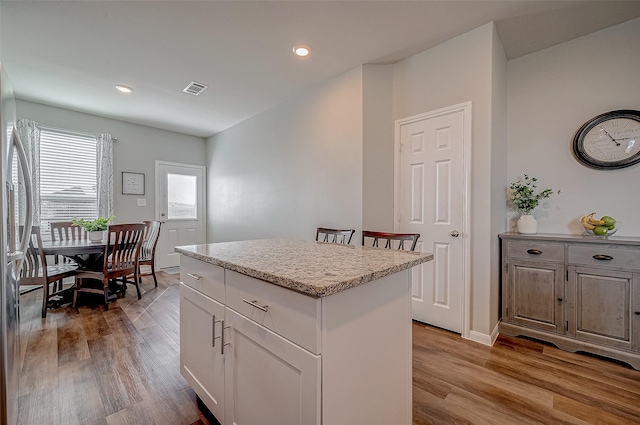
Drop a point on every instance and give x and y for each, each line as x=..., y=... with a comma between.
x=194, y=276
x=213, y=331
x=222, y=343
x=255, y=304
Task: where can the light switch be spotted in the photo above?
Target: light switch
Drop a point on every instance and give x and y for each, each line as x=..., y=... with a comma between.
x=142, y=202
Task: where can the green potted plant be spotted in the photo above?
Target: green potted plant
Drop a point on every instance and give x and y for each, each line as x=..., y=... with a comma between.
x=525, y=199
x=95, y=228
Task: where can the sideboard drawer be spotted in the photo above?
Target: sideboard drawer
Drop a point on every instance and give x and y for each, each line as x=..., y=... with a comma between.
x=535, y=250
x=203, y=277
x=293, y=315
x=604, y=256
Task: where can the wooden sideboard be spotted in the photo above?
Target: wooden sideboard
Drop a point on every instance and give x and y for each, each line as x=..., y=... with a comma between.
x=581, y=293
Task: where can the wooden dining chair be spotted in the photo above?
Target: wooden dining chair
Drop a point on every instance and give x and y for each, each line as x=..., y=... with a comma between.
x=334, y=235
x=65, y=231
x=36, y=271
x=148, y=250
x=390, y=237
x=121, y=255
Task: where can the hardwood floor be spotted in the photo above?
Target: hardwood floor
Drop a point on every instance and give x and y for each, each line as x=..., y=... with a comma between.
x=120, y=366
x=517, y=381
x=88, y=366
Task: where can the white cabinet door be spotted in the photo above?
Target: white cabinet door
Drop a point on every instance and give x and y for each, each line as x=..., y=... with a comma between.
x=201, y=359
x=268, y=380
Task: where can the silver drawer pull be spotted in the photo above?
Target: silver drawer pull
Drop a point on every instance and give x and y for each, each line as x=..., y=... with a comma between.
x=194, y=276
x=255, y=304
x=602, y=257
x=534, y=251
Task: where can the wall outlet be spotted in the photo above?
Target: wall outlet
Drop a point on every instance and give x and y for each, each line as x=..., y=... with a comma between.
x=142, y=202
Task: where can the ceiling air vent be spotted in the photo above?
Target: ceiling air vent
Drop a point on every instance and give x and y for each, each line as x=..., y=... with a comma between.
x=195, y=88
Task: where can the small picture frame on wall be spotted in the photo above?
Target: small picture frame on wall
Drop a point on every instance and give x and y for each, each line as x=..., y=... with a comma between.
x=132, y=183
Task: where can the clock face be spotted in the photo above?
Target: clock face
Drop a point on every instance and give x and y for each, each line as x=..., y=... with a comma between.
x=610, y=140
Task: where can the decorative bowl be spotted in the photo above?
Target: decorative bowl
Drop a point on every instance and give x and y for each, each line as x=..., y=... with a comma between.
x=609, y=233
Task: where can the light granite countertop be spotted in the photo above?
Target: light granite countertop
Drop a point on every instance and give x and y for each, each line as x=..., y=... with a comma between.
x=314, y=268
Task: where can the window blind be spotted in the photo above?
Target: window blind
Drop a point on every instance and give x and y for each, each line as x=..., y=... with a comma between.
x=68, y=176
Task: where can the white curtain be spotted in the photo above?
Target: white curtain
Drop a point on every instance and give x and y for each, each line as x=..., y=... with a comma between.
x=29, y=132
x=104, y=159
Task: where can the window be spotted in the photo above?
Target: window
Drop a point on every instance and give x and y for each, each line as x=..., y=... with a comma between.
x=181, y=196
x=68, y=177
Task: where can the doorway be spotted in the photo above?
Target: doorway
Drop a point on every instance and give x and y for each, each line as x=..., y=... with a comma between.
x=432, y=180
x=180, y=205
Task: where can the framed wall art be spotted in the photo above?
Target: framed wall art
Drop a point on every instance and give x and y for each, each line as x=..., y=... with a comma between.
x=132, y=183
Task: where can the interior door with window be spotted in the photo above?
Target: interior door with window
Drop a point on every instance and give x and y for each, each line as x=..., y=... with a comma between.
x=180, y=205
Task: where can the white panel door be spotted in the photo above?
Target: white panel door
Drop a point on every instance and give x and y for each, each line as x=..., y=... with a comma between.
x=431, y=201
x=180, y=205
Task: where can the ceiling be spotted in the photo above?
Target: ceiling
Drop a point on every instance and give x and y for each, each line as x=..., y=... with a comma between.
x=71, y=54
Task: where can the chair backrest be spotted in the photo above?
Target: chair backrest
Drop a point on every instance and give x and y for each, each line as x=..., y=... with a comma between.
x=334, y=235
x=65, y=231
x=151, y=236
x=123, y=248
x=389, y=237
x=34, y=267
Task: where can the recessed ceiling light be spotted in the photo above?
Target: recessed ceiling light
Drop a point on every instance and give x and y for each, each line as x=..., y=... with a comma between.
x=301, y=50
x=124, y=89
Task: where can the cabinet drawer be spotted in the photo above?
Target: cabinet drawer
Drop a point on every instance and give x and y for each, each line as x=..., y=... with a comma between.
x=605, y=256
x=290, y=314
x=535, y=250
x=203, y=277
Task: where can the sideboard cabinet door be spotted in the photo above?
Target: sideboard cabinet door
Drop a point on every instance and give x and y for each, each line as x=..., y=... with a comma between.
x=603, y=306
x=535, y=295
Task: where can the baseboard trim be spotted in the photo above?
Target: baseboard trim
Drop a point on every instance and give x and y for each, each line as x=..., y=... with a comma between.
x=484, y=338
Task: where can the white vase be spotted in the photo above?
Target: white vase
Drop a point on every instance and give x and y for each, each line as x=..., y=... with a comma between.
x=527, y=224
x=96, y=236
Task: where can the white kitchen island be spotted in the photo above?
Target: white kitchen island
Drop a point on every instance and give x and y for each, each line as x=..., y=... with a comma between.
x=284, y=332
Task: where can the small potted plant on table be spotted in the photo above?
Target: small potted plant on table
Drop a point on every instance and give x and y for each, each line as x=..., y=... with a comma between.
x=95, y=228
x=525, y=199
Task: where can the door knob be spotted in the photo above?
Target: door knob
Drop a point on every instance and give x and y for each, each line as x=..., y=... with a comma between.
x=455, y=233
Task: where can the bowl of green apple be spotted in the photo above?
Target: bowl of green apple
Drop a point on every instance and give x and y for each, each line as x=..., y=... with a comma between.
x=605, y=226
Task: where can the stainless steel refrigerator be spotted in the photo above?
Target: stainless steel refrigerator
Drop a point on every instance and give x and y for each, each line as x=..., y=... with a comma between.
x=13, y=247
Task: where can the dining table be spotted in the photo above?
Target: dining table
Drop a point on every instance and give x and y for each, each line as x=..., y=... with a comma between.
x=87, y=254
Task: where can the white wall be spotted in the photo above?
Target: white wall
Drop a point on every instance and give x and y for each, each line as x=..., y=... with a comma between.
x=454, y=72
x=498, y=169
x=378, y=134
x=290, y=169
x=136, y=150
x=550, y=95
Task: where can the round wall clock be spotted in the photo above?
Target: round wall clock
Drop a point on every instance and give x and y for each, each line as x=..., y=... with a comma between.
x=609, y=141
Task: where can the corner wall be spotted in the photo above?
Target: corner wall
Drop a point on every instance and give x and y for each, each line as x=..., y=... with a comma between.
x=378, y=134
x=457, y=71
x=553, y=92
x=498, y=173
x=290, y=169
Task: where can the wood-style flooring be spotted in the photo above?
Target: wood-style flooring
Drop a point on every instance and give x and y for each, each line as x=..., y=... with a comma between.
x=121, y=366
